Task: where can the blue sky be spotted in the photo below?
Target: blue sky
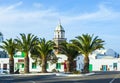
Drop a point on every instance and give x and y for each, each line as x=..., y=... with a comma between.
x=40, y=17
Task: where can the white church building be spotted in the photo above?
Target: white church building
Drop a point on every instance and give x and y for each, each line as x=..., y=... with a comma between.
x=100, y=60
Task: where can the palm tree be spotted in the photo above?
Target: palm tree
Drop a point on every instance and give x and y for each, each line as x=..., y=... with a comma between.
x=10, y=46
x=25, y=43
x=71, y=53
x=43, y=51
x=86, y=44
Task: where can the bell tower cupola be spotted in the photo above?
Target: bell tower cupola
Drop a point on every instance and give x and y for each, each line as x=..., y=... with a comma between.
x=59, y=35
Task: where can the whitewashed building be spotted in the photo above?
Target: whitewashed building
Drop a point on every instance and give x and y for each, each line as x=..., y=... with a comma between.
x=101, y=60
x=4, y=61
x=59, y=36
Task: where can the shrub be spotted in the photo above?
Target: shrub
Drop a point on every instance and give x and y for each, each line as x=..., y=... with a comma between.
x=76, y=72
x=54, y=70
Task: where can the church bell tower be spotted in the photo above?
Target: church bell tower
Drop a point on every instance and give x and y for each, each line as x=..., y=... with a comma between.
x=59, y=36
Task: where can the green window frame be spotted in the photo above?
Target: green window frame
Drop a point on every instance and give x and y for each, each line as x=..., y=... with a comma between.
x=34, y=66
x=58, y=65
x=47, y=66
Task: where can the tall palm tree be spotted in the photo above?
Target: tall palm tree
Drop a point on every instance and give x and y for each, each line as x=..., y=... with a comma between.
x=43, y=51
x=25, y=44
x=71, y=53
x=86, y=44
x=10, y=46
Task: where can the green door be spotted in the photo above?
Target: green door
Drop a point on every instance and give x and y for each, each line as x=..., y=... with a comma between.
x=104, y=67
x=115, y=66
x=90, y=67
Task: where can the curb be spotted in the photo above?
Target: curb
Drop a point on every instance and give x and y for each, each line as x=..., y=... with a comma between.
x=1, y=75
x=74, y=75
x=56, y=74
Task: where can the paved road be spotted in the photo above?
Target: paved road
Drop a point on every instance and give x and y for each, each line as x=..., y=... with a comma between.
x=99, y=77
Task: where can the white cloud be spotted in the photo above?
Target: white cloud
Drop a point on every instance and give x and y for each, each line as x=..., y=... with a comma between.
x=103, y=14
x=6, y=9
x=12, y=19
x=37, y=5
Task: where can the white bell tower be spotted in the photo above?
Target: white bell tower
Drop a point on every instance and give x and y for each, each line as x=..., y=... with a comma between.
x=59, y=35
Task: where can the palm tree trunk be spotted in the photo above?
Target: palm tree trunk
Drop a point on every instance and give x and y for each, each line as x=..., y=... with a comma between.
x=72, y=65
x=68, y=65
x=11, y=65
x=44, y=64
x=26, y=63
x=86, y=64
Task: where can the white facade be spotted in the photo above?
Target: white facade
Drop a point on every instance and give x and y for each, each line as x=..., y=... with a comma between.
x=33, y=67
x=4, y=65
x=105, y=64
x=59, y=36
x=101, y=60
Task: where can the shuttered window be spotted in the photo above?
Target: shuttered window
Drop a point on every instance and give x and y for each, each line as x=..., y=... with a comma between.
x=58, y=65
x=33, y=65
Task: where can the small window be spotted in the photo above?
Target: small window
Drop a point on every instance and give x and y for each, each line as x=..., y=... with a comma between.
x=58, y=65
x=4, y=66
x=33, y=65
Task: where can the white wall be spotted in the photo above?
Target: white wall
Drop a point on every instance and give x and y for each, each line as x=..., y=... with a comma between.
x=97, y=64
x=4, y=61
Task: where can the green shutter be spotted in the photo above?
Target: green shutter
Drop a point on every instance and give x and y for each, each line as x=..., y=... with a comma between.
x=22, y=65
x=90, y=67
x=23, y=54
x=58, y=65
x=47, y=66
x=33, y=65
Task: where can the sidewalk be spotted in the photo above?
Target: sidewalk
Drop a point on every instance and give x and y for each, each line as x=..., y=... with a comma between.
x=74, y=75
x=57, y=74
x=29, y=74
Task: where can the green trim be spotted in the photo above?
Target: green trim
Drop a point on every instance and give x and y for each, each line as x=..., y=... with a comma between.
x=90, y=67
x=34, y=66
x=58, y=65
x=47, y=66
x=20, y=56
x=22, y=65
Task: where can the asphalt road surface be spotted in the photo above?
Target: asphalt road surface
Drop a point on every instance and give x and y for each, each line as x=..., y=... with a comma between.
x=98, y=77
